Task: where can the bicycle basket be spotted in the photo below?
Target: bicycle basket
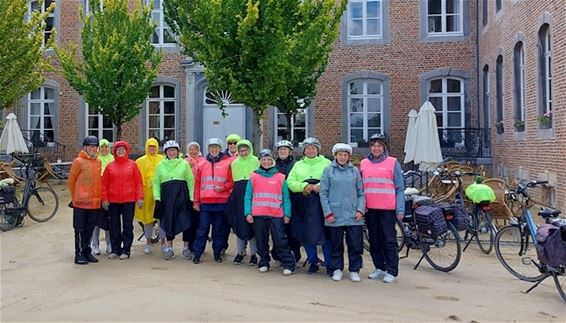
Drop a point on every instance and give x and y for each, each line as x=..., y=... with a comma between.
x=7, y=194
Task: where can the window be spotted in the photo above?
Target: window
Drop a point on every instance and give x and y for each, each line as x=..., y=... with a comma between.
x=41, y=112
x=49, y=22
x=299, y=126
x=498, y=5
x=485, y=12
x=519, y=82
x=365, y=109
x=447, y=96
x=88, y=9
x=162, y=35
x=97, y=125
x=545, y=71
x=445, y=17
x=365, y=19
x=499, y=88
x=161, y=108
x=486, y=97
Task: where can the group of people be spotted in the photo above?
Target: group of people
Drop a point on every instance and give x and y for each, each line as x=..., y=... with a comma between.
x=311, y=202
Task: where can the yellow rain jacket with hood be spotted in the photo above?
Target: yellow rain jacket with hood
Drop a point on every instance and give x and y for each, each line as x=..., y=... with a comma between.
x=147, y=165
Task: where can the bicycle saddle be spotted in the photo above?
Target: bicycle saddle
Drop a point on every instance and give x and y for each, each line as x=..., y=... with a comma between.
x=548, y=213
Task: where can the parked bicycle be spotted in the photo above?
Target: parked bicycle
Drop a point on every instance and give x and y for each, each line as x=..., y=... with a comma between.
x=515, y=244
x=40, y=203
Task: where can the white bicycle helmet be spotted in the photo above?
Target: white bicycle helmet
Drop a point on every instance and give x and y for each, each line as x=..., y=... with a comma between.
x=284, y=143
x=311, y=141
x=214, y=141
x=170, y=144
x=341, y=147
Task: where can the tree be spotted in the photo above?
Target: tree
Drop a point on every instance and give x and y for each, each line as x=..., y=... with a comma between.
x=22, y=63
x=119, y=63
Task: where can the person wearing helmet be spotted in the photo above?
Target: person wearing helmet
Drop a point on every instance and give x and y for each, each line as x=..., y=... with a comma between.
x=121, y=191
x=173, y=191
x=307, y=224
x=84, y=184
x=343, y=203
x=384, y=192
x=231, y=151
x=213, y=185
x=242, y=168
x=102, y=221
x=147, y=165
x=267, y=206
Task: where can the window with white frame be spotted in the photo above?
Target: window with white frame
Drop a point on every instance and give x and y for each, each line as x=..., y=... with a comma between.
x=498, y=5
x=97, y=125
x=49, y=22
x=161, y=107
x=162, y=35
x=445, y=17
x=41, y=113
x=519, y=80
x=299, y=126
x=365, y=19
x=447, y=95
x=365, y=109
x=545, y=70
x=485, y=12
x=88, y=9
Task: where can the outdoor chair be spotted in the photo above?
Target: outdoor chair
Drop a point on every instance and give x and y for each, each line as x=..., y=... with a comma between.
x=9, y=171
x=499, y=208
x=47, y=172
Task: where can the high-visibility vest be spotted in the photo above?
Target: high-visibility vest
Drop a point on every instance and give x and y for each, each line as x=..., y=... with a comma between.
x=378, y=183
x=212, y=178
x=267, y=197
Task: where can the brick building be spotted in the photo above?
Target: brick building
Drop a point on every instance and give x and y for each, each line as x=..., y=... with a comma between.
x=391, y=56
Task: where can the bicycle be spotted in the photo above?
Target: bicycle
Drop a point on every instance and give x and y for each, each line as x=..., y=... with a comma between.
x=515, y=244
x=40, y=203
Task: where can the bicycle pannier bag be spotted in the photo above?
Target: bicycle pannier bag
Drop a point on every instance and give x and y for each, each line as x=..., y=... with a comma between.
x=460, y=218
x=430, y=220
x=7, y=194
x=551, y=246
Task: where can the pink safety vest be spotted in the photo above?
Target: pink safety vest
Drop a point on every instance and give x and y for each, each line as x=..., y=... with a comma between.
x=379, y=187
x=267, y=198
x=212, y=178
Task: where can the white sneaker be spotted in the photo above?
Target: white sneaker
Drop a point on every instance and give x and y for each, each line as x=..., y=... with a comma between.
x=337, y=275
x=388, y=278
x=163, y=249
x=112, y=256
x=377, y=274
x=263, y=269
x=169, y=254
x=147, y=249
x=287, y=272
x=124, y=256
x=95, y=250
x=355, y=277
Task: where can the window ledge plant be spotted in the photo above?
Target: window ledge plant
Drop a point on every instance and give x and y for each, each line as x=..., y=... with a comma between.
x=499, y=127
x=519, y=125
x=545, y=120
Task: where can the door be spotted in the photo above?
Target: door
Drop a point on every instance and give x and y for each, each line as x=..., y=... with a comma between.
x=217, y=126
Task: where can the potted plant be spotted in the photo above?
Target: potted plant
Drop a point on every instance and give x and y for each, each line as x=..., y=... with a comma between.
x=545, y=120
x=499, y=127
x=519, y=125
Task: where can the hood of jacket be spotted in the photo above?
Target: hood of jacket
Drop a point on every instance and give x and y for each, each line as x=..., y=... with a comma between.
x=117, y=145
x=84, y=154
x=243, y=167
x=378, y=159
x=266, y=172
x=152, y=157
x=335, y=164
x=313, y=161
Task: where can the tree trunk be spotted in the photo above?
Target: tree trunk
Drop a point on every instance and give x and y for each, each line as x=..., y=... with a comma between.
x=289, y=116
x=118, y=131
x=257, y=142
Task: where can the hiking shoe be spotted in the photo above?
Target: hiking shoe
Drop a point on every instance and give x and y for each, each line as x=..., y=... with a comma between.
x=253, y=260
x=377, y=274
x=337, y=275
x=90, y=258
x=163, y=249
x=147, y=249
x=187, y=254
x=169, y=254
x=81, y=260
x=287, y=272
x=355, y=277
x=238, y=260
x=95, y=250
x=124, y=256
x=196, y=260
x=388, y=278
x=113, y=256
x=218, y=259
x=313, y=268
x=263, y=269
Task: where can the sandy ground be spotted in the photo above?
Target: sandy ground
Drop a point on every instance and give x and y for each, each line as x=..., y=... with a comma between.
x=39, y=282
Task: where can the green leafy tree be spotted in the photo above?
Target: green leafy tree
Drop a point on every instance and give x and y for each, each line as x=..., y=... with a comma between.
x=119, y=63
x=22, y=62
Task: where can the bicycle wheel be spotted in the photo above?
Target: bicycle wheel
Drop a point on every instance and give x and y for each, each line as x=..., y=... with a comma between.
x=400, y=235
x=43, y=204
x=444, y=252
x=366, y=238
x=486, y=232
x=560, y=281
x=516, y=252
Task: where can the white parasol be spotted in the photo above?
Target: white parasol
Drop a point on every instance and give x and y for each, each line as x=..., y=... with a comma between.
x=411, y=138
x=12, y=139
x=427, y=148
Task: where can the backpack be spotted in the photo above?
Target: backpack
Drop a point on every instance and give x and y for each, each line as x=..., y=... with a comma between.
x=430, y=220
x=551, y=244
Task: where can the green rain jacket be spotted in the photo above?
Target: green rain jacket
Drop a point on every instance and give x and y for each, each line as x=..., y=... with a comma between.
x=173, y=169
x=104, y=160
x=306, y=168
x=243, y=167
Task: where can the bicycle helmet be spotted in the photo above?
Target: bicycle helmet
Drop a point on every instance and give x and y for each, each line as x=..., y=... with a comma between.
x=265, y=153
x=214, y=141
x=170, y=144
x=233, y=138
x=285, y=143
x=341, y=147
x=311, y=141
x=90, y=141
x=378, y=137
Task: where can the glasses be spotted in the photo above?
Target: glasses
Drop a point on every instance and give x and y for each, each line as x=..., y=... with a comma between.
x=231, y=143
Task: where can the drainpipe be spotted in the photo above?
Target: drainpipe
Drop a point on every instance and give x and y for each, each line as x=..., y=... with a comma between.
x=478, y=63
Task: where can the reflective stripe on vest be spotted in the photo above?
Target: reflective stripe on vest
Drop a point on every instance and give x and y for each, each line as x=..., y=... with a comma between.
x=379, y=184
x=267, y=198
x=211, y=179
